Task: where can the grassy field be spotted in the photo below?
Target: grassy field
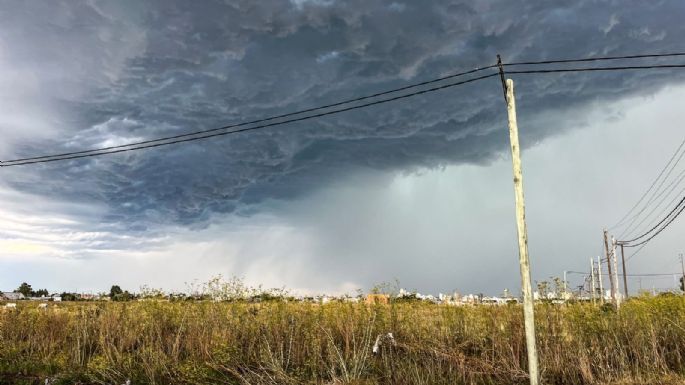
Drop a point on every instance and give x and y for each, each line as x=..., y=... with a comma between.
x=158, y=342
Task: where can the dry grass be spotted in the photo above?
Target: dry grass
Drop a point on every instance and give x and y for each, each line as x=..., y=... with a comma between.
x=155, y=342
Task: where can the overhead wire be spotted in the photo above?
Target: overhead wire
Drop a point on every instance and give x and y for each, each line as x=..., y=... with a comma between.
x=55, y=158
x=635, y=252
x=270, y=118
x=599, y=58
x=620, y=222
x=682, y=201
x=644, y=244
x=673, y=217
x=664, y=195
x=221, y=131
x=629, y=275
x=654, y=195
x=591, y=69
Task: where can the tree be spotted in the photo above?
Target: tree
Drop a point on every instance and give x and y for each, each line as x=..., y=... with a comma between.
x=114, y=291
x=386, y=288
x=682, y=283
x=148, y=292
x=41, y=293
x=25, y=289
x=559, y=286
x=543, y=289
x=69, y=296
x=121, y=297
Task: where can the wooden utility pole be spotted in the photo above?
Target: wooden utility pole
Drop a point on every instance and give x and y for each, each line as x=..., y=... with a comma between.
x=625, y=280
x=615, y=281
x=592, y=280
x=682, y=266
x=608, y=257
x=599, y=278
x=526, y=288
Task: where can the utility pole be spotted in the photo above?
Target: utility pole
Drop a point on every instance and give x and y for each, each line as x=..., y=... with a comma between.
x=608, y=257
x=625, y=280
x=615, y=281
x=526, y=289
x=599, y=278
x=682, y=266
x=592, y=280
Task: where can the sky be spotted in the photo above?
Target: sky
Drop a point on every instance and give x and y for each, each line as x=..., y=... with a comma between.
x=418, y=190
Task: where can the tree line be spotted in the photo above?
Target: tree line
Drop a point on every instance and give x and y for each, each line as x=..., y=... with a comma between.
x=115, y=293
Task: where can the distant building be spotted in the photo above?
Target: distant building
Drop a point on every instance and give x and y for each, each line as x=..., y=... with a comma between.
x=493, y=301
x=12, y=296
x=470, y=299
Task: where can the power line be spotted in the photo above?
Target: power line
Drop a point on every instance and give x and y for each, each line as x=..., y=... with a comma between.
x=653, y=197
x=666, y=193
x=220, y=131
x=658, y=224
x=336, y=104
x=661, y=229
x=91, y=153
x=635, y=252
x=617, y=68
x=650, y=187
x=600, y=58
x=631, y=275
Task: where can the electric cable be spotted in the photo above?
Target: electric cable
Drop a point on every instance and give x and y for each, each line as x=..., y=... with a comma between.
x=650, y=187
x=160, y=142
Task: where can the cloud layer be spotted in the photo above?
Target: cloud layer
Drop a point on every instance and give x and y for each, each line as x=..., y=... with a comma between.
x=80, y=75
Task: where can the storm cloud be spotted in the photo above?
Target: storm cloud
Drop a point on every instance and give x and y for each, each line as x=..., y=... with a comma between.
x=79, y=75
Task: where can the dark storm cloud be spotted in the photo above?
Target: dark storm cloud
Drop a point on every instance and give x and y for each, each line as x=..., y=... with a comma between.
x=123, y=72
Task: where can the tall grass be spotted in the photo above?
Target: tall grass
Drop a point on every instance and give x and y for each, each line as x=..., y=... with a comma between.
x=156, y=342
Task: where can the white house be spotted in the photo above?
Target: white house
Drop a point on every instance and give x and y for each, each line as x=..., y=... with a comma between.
x=12, y=296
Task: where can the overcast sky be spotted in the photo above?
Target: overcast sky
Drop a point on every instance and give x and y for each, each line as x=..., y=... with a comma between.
x=417, y=190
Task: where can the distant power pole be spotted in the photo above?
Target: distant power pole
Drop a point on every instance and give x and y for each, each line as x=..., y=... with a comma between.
x=617, y=295
x=608, y=257
x=599, y=278
x=682, y=266
x=625, y=280
x=524, y=263
x=592, y=280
